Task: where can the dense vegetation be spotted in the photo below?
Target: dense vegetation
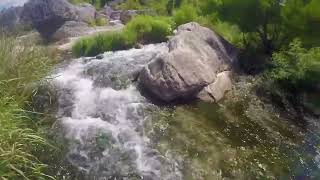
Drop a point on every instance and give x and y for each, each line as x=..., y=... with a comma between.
x=22, y=140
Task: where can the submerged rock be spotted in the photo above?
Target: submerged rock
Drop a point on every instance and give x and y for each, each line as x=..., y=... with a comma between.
x=196, y=56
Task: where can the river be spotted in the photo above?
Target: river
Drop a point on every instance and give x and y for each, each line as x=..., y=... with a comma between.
x=115, y=132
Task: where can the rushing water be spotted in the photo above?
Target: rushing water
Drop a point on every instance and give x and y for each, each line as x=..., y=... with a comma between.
x=116, y=133
x=103, y=118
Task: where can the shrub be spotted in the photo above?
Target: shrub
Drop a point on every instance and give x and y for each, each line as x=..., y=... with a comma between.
x=20, y=139
x=185, y=14
x=297, y=67
x=150, y=29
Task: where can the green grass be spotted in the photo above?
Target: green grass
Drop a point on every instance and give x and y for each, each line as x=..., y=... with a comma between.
x=149, y=29
x=97, y=3
x=20, y=137
x=103, y=42
x=141, y=29
x=98, y=22
x=185, y=14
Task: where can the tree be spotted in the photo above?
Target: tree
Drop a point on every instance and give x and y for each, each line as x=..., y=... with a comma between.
x=275, y=22
x=262, y=17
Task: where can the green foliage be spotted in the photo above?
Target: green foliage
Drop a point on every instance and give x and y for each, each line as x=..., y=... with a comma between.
x=98, y=22
x=150, y=29
x=302, y=19
x=101, y=21
x=141, y=29
x=131, y=4
x=262, y=17
x=97, y=3
x=297, y=66
x=103, y=42
x=276, y=23
x=20, y=141
x=185, y=14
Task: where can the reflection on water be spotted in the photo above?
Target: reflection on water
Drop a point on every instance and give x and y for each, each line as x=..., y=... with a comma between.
x=239, y=139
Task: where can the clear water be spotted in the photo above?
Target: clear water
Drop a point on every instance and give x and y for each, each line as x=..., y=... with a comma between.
x=116, y=133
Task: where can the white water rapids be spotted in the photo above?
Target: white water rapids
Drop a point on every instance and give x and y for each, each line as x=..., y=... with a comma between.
x=102, y=114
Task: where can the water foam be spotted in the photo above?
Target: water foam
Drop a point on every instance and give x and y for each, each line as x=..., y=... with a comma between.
x=105, y=125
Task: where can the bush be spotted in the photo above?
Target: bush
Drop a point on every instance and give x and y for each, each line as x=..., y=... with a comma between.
x=297, y=67
x=20, y=137
x=185, y=14
x=142, y=29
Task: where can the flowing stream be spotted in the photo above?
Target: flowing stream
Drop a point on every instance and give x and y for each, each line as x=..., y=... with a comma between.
x=103, y=117
x=116, y=133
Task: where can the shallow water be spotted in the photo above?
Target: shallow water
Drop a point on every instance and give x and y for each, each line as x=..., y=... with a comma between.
x=116, y=133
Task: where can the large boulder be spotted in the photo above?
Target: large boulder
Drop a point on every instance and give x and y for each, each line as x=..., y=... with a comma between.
x=47, y=16
x=196, y=56
x=11, y=18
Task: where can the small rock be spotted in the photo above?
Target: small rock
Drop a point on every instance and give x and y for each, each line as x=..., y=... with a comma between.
x=100, y=56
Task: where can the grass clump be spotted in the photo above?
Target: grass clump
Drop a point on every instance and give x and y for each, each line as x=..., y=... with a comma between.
x=103, y=42
x=185, y=14
x=20, y=137
x=150, y=29
x=141, y=29
x=96, y=3
x=98, y=22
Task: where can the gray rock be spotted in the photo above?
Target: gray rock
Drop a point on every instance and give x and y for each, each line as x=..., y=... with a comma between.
x=126, y=16
x=215, y=92
x=110, y=13
x=47, y=16
x=106, y=10
x=114, y=3
x=70, y=29
x=10, y=18
x=196, y=55
x=86, y=12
